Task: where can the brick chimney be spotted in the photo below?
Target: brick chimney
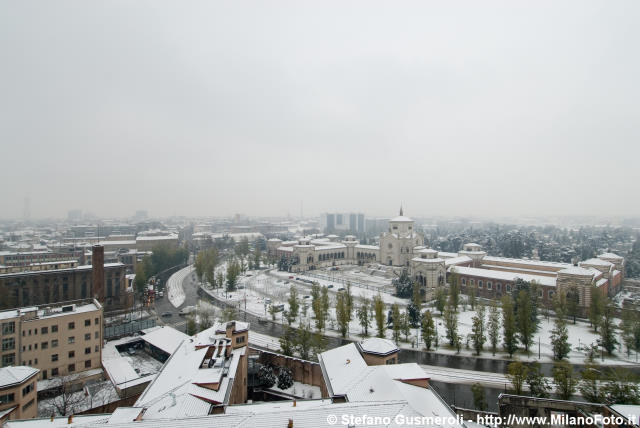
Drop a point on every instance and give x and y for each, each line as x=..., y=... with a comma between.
x=97, y=272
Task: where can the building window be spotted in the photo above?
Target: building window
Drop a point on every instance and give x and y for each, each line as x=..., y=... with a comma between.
x=87, y=323
x=489, y=285
x=27, y=389
x=44, y=330
x=551, y=294
x=87, y=364
x=54, y=372
x=29, y=404
x=71, y=340
x=8, y=327
x=96, y=349
x=508, y=288
x=7, y=398
x=480, y=283
x=54, y=343
x=72, y=354
x=240, y=339
x=96, y=321
x=8, y=360
x=71, y=368
x=44, y=345
x=54, y=357
x=471, y=282
x=87, y=336
x=54, y=328
x=464, y=282
x=87, y=350
x=499, y=287
x=539, y=293
x=72, y=325
x=97, y=335
x=8, y=344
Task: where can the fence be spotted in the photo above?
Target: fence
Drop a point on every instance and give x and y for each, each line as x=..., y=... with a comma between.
x=115, y=331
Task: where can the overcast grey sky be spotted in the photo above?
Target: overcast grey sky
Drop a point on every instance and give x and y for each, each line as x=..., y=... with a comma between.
x=212, y=108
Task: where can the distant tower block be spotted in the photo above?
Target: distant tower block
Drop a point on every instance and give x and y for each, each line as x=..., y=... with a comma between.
x=97, y=272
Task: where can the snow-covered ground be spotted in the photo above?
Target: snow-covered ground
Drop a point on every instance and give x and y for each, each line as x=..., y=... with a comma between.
x=174, y=286
x=263, y=285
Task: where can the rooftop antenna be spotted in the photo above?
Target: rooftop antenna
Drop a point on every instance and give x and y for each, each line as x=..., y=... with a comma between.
x=400, y=209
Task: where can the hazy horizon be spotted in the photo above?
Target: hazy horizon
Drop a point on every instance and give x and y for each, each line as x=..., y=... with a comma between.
x=212, y=108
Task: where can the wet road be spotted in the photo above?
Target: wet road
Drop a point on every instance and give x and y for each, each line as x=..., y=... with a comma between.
x=190, y=286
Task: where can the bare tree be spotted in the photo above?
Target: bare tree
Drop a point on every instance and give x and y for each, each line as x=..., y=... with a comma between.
x=70, y=396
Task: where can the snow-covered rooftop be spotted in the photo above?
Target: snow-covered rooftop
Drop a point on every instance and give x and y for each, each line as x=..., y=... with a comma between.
x=15, y=374
x=596, y=262
x=577, y=270
x=504, y=276
x=166, y=338
x=176, y=391
x=610, y=256
x=378, y=345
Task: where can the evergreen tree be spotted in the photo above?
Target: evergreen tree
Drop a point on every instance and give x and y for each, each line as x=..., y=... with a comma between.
x=428, y=329
x=477, y=330
x=294, y=305
x=396, y=321
x=607, y=329
x=342, y=308
x=451, y=324
x=364, y=316
x=454, y=289
x=318, y=343
x=596, y=308
x=266, y=376
x=517, y=374
x=509, y=326
x=257, y=258
x=494, y=327
x=472, y=297
x=621, y=388
x=285, y=378
x=573, y=303
x=479, y=397
x=287, y=341
x=405, y=325
x=538, y=385
x=403, y=284
x=589, y=385
x=304, y=341
x=378, y=310
x=564, y=380
x=525, y=325
x=141, y=278
x=413, y=308
x=220, y=279
x=233, y=271
x=560, y=339
x=441, y=299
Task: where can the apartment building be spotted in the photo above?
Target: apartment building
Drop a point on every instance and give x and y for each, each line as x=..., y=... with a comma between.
x=18, y=393
x=59, y=340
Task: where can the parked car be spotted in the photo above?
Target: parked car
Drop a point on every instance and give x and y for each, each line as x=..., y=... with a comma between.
x=341, y=289
x=279, y=308
x=167, y=314
x=131, y=351
x=330, y=286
